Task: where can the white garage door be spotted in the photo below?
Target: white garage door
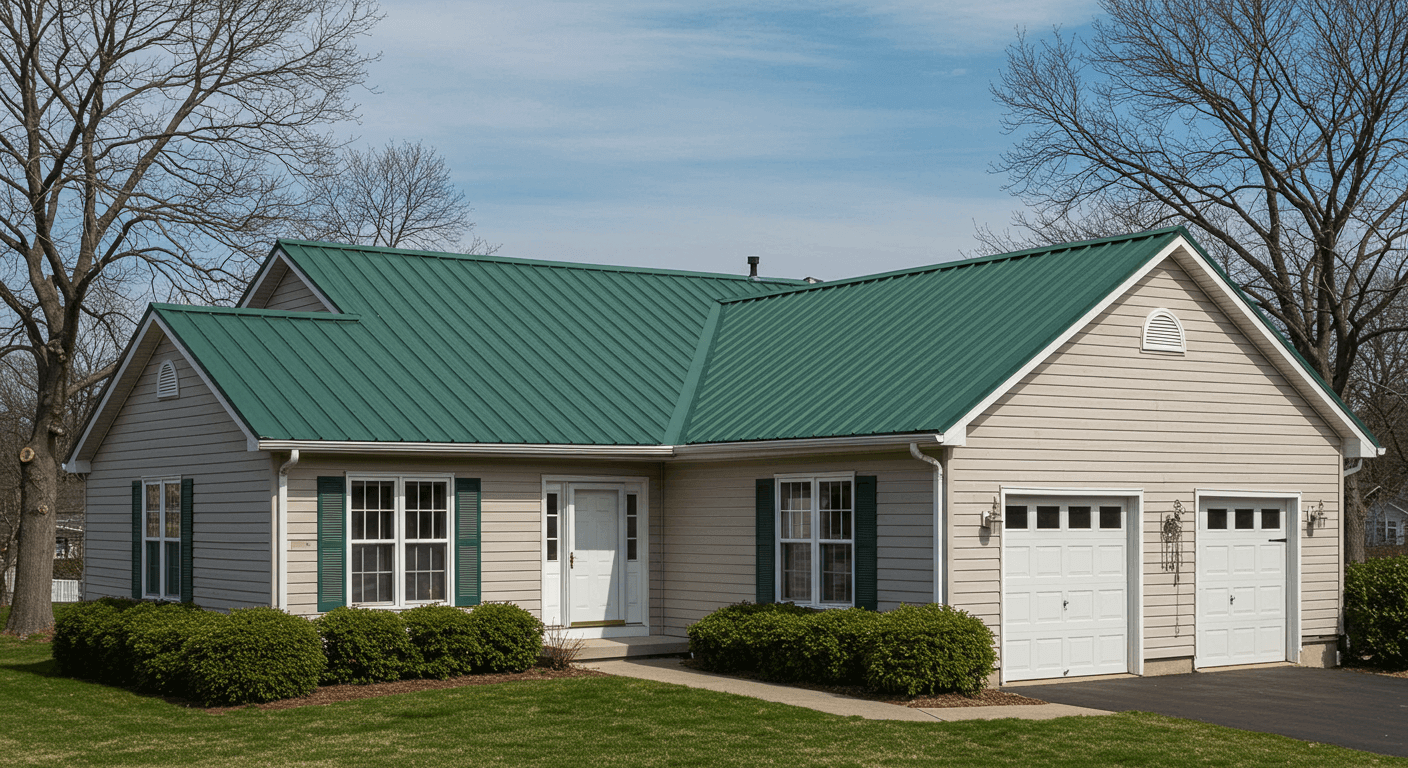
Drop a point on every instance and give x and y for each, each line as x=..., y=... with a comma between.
x=1241, y=581
x=1065, y=588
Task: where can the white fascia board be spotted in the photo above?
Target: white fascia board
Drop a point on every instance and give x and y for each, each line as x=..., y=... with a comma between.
x=816, y=444
x=280, y=257
x=471, y=449
x=251, y=442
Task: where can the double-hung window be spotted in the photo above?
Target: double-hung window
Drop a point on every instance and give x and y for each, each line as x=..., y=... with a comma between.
x=816, y=540
x=161, y=538
x=399, y=540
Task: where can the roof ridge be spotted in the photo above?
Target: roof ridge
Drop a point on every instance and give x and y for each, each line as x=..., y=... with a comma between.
x=946, y=265
x=540, y=262
x=252, y=312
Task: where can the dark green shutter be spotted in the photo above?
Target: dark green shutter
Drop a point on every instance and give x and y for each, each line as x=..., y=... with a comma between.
x=467, y=576
x=867, y=566
x=136, y=540
x=187, y=535
x=332, y=543
x=765, y=561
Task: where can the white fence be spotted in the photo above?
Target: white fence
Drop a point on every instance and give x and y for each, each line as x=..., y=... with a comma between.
x=66, y=591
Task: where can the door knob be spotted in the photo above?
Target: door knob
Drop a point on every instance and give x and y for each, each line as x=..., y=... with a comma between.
x=1232, y=599
x=572, y=561
x=1065, y=603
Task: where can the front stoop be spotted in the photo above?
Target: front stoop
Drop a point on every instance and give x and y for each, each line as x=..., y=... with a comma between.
x=626, y=647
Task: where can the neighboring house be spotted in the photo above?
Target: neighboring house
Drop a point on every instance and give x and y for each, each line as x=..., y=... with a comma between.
x=1387, y=523
x=624, y=450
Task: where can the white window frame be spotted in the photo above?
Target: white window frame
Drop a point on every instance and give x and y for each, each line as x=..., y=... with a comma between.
x=163, y=566
x=398, y=524
x=1152, y=346
x=816, y=541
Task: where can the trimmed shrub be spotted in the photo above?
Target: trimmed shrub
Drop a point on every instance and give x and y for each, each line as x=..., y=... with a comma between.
x=929, y=649
x=89, y=642
x=510, y=638
x=824, y=646
x=255, y=655
x=364, y=645
x=445, y=640
x=1376, y=611
x=731, y=638
x=156, y=638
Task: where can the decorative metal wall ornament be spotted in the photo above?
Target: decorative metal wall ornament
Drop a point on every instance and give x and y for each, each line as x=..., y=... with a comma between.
x=1171, y=558
x=1315, y=518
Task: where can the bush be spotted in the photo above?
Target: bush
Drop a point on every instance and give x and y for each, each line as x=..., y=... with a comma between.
x=1376, y=611
x=929, y=649
x=364, y=645
x=911, y=650
x=255, y=655
x=445, y=640
x=88, y=641
x=509, y=638
x=156, y=639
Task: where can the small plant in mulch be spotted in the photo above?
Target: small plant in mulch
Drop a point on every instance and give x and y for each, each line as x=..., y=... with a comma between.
x=559, y=650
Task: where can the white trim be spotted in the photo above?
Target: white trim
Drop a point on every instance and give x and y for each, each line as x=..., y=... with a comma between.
x=1146, y=345
x=1134, y=564
x=1293, y=529
x=770, y=447
x=279, y=256
x=470, y=449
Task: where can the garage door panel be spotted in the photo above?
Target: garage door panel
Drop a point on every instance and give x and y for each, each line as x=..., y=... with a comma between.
x=1241, y=575
x=1111, y=604
x=1080, y=651
x=1047, y=561
x=1018, y=561
x=1110, y=560
x=1018, y=610
x=1244, y=559
x=1048, y=607
x=1080, y=560
x=1215, y=560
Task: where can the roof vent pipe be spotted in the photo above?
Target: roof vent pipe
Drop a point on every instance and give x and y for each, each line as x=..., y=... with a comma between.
x=753, y=266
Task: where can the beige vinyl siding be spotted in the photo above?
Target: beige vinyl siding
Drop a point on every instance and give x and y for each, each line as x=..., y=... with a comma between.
x=710, y=524
x=291, y=294
x=511, y=518
x=189, y=436
x=1103, y=414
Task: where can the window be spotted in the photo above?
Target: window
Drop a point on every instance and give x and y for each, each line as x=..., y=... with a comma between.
x=1163, y=333
x=552, y=527
x=399, y=540
x=816, y=544
x=167, y=385
x=161, y=538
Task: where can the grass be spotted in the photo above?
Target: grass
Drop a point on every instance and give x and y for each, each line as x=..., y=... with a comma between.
x=48, y=720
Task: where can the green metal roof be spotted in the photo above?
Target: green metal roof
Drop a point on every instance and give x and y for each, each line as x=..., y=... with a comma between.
x=473, y=349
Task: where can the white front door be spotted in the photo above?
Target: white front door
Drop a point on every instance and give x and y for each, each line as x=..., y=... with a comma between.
x=1065, y=588
x=595, y=564
x=1242, y=602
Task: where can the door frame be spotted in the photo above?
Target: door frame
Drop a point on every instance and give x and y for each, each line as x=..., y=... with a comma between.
x=1292, y=500
x=564, y=531
x=1134, y=564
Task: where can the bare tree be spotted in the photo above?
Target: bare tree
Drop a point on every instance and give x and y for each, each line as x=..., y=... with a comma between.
x=400, y=196
x=144, y=142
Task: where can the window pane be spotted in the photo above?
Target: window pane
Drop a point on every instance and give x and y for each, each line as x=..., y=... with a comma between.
x=173, y=568
x=173, y=511
x=425, y=572
x=426, y=512
x=552, y=526
x=552, y=549
x=1246, y=519
x=153, y=568
x=1271, y=519
x=154, y=511
x=631, y=548
x=796, y=506
x=835, y=498
x=1078, y=517
x=372, y=517
x=371, y=573
x=551, y=533
x=796, y=573
x=1217, y=519
x=631, y=527
x=1048, y=517
x=1016, y=517
x=836, y=573
x=1110, y=517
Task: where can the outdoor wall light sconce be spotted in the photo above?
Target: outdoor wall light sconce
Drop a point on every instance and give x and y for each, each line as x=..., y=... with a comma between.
x=1315, y=518
x=991, y=517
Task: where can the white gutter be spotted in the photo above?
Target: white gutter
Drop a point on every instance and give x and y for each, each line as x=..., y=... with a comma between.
x=281, y=535
x=940, y=504
x=470, y=449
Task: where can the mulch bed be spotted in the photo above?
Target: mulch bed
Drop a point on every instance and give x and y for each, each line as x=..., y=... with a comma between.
x=1375, y=671
x=331, y=694
x=988, y=697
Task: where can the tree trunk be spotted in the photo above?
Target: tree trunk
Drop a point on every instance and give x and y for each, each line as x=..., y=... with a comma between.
x=32, y=609
x=1354, y=519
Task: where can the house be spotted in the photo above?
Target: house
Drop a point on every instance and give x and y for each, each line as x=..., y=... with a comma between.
x=1102, y=449
x=1387, y=522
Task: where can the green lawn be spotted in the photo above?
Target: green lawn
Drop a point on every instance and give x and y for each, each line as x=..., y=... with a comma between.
x=594, y=722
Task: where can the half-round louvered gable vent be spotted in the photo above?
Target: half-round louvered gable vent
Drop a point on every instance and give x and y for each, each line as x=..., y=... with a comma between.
x=167, y=385
x=1163, y=333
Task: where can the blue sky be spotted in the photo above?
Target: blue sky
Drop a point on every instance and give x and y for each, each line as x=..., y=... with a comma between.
x=834, y=140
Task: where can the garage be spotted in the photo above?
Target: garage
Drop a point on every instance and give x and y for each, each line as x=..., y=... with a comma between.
x=1067, y=592
x=1243, y=559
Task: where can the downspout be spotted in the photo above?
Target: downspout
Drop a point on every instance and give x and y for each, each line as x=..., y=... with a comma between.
x=1357, y=466
x=282, y=558
x=940, y=504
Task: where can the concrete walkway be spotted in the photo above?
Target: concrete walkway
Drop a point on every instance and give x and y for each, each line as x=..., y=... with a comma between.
x=671, y=671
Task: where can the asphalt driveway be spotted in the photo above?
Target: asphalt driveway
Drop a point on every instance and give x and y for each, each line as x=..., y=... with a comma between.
x=1368, y=712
